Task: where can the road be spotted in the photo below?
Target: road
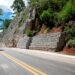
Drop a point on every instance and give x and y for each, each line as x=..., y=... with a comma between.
x=16, y=63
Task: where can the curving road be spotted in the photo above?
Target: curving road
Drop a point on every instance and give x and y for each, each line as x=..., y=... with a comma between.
x=14, y=62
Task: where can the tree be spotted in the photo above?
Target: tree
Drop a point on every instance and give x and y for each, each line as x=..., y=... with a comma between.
x=6, y=23
x=62, y=11
x=1, y=11
x=47, y=17
x=18, y=5
x=67, y=12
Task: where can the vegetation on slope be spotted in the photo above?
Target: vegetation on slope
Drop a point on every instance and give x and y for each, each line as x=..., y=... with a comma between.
x=6, y=23
x=56, y=13
x=51, y=13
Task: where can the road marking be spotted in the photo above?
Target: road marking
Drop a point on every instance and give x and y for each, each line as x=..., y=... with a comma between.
x=23, y=65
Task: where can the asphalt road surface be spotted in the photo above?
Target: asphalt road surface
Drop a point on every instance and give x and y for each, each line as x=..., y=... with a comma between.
x=16, y=63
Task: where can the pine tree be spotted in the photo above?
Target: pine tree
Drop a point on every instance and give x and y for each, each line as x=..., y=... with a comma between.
x=18, y=5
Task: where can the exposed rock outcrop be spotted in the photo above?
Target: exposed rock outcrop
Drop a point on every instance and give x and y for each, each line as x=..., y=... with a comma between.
x=15, y=35
x=48, y=42
x=1, y=43
x=24, y=42
x=16, y=29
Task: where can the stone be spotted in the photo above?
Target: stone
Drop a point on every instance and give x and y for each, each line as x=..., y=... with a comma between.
x=47, y=42
x=24, y=42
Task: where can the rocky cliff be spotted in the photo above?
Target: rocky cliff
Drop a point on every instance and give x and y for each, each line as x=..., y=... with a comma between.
x=16, y=36
x=1, y=43
x=16, y=29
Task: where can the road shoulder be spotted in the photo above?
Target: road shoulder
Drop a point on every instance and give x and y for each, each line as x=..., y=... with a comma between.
x=46, y=55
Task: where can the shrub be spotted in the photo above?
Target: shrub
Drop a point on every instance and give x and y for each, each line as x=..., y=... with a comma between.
x=71, y=31
x=47, y=17
x=57, y=5
x=71, y=43
x=6, y=23
x=28, y=32
x=64, y=14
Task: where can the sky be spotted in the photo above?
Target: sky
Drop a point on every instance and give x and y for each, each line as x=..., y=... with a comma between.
x=7, y=4
x=7, y=11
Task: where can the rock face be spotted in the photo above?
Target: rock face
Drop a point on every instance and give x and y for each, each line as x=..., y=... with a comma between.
x=15, y=35
x=1, y=43
x=47, y=42
x=24, y=42
x=16, y=29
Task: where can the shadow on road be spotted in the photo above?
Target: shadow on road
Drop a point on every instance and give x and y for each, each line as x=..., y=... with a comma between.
x=1, y=50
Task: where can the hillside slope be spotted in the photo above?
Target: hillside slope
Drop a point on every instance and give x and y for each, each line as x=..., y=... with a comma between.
x=16, y=28
x=41, y=27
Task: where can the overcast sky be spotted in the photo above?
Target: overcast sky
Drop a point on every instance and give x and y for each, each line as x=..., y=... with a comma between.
x=6, y=6
x=7, y=3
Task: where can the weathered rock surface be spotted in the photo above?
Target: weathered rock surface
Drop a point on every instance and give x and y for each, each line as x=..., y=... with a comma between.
x=24, y=42
x=15, y=35
x=17, y=27
x=47, y=42
x=1, y=43
x=15, y=30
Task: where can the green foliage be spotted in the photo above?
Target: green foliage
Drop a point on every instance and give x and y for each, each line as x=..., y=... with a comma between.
x=57, y=5
x=28, y=32
x=71, y=43
x=1, y=11
x=53, y=12
x=64, y=14
x=67, y=12
x=71, y=35
x=18, y=5
x=61, y=10
x=70, y=30
x=45, y=4
x=47, y=16
x=6, y=23
x=33, y=3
